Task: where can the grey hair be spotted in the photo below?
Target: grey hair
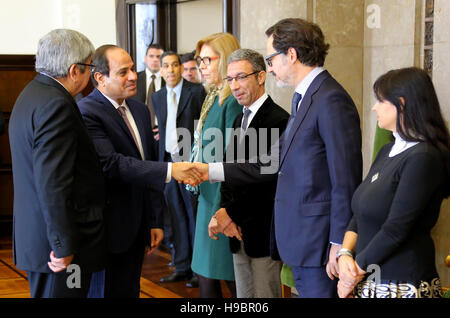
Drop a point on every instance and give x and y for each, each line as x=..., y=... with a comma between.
x=59, y=49
x=255, y=58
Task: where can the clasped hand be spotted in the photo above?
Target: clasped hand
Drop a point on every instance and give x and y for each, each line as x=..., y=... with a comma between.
x=350, y=274
x=222, y=223
x=192, y=173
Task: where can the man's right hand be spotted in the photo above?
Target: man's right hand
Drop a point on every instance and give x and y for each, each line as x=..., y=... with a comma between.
x=59, y=264
x=185, y=172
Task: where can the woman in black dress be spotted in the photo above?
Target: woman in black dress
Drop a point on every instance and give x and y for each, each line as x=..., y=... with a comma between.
x=398, y=203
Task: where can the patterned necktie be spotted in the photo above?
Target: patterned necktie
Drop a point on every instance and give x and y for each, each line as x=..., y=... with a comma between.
x=171, y=123
x=151, y=90
x=123, y=112
x=247, y=113
x=295, y=100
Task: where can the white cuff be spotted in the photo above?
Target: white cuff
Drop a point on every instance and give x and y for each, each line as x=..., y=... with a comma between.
x=216, y=172
x=169, y=172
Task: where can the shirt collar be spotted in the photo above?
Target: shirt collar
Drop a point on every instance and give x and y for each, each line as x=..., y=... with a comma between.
x=176, y=89
x=257, y=104
x=149, y=73
x=303, y=86
x=400, y=145
x=114, y=103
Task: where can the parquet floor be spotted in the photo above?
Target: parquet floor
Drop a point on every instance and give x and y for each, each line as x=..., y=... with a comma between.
x=14, y=284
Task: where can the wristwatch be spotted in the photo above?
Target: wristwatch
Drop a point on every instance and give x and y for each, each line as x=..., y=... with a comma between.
x=344, y=251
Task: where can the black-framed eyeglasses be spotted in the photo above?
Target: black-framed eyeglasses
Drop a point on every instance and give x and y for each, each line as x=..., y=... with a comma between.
x=270, y=57
x=206, y=59
x=92, y=66
x=239, y=78
x=85, y=64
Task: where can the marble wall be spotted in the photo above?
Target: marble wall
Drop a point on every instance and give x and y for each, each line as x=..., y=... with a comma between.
x=256, y=17
x=441, y=80
x=367, y=38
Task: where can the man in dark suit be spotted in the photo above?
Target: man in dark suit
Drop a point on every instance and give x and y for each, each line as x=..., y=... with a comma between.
x=248, y=211
x=120, y=129
x=59, y=190
x=150, y=80
x=177, y=106
x=320, y=162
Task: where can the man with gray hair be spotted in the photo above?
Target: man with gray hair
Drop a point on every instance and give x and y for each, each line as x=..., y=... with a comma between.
x=59, y=189
x=246, y=211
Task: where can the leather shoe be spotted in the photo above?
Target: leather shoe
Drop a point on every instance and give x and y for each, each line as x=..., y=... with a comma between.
x=175, y=277
x=193, y=282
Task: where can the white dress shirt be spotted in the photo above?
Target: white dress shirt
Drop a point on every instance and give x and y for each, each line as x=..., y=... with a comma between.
x=171, y=127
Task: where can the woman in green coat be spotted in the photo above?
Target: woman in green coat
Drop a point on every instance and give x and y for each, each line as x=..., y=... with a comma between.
x=212, y=260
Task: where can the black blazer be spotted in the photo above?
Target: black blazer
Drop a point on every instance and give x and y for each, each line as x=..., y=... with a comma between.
x=189, y=107
x=251, y=207
x=134, y=186
x=141, y=93
x=59, y=190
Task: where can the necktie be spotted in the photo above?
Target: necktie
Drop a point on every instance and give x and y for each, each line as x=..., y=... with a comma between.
x=295, y=100
x=123, y=112
x=247, y=113
x=171, y=123
x=151, y=90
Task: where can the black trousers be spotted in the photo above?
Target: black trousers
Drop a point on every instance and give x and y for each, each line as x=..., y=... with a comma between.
x=58, y=285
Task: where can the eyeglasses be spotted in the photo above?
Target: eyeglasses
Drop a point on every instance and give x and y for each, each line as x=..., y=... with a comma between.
x=239, y=78
x=270, y=57
x=91, y=66
x=84, y=64
x=206, y=59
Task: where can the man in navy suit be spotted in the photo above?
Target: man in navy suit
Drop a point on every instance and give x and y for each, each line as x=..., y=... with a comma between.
x=320, y=161
x=59, y=190
x=121, y=132
x=177, y=106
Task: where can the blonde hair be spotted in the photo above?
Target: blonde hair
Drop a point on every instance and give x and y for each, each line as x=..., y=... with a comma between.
x=223, y=44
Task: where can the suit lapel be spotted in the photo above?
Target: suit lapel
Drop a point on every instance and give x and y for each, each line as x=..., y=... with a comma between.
x=141, y=126
x=302, y=111
x=115, y=115
x=162, y=106
x=261, y=113
x=184, y=98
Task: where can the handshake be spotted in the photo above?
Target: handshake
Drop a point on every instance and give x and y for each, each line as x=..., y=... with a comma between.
x=192, y=173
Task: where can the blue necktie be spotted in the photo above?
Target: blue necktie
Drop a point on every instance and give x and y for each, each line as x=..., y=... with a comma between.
x=295, y=100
